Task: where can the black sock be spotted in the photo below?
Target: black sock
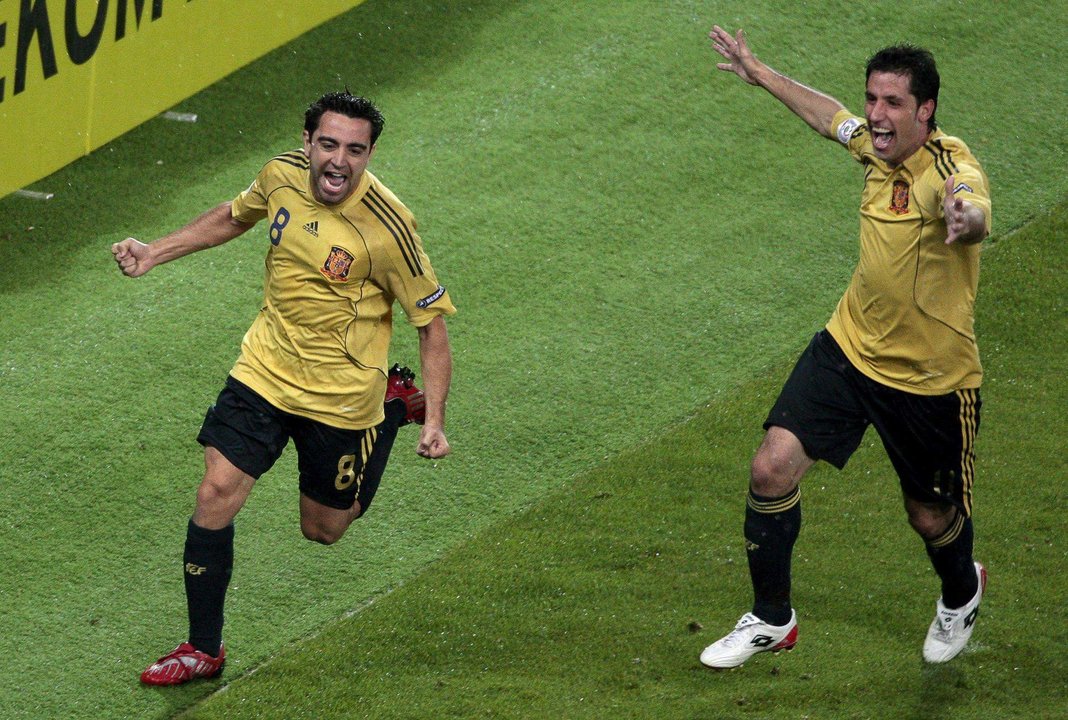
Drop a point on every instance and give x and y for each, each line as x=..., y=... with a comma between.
x=771, y=527
x=951, y=556
x=209, y=562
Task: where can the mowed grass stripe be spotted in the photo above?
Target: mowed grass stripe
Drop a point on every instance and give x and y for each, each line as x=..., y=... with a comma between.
x=596, y=602
x=528, y=137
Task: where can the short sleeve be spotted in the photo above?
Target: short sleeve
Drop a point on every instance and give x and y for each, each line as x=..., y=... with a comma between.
x=407, y=274
x=412, y=281
x=251, y=205
x=852, y=132
x=970, y=184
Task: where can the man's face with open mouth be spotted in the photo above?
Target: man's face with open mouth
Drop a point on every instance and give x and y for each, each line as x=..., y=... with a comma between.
x=338, y=151
x=898, y=125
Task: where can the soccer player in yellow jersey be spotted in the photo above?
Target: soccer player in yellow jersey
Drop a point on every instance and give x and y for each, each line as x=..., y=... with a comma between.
x=899, y=352
x=313, y=366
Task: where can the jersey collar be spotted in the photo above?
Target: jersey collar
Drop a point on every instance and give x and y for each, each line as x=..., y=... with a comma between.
x=920, y=160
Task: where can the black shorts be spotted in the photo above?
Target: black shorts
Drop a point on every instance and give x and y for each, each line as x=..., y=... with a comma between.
x=828, y=404
x=337, y=466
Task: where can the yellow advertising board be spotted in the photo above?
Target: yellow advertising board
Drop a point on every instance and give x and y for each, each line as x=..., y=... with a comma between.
x=75, y=74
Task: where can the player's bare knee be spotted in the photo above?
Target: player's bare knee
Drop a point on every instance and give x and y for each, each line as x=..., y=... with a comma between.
x=323, y=524
x=324, y=533
x=321, y=537
x=320, y=534
x=768, y=477
x=212, y=494
x=930, y=521
x=778, y=465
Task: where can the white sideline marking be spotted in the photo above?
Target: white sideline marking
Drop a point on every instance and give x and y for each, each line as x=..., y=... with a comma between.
x=348, y=614
x=34, y=195
x=180, y=116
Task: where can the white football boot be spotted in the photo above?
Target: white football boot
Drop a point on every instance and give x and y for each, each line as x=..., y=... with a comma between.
x=952, y=627
x=750, y=636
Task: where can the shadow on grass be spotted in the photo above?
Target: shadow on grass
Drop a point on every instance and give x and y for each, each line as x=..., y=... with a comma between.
x=940, y=689
x=132, y=184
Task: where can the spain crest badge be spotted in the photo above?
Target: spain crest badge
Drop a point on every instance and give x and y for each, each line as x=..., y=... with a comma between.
x=899, y=199
x=337, y=264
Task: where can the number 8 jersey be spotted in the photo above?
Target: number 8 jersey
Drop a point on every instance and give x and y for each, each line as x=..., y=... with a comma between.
x=319, y=346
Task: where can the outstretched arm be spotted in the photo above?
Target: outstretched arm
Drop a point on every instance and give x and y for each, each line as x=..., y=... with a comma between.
x=435, y=361
x=212, y=228
x=965, y=223
x=812, y=106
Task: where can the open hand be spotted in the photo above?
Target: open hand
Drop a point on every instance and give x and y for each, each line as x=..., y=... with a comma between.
x=735, y=48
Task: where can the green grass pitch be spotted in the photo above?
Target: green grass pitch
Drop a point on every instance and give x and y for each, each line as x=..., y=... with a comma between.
x=639, y=247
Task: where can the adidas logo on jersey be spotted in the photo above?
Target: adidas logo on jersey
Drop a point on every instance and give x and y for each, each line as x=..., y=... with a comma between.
x=312, y=228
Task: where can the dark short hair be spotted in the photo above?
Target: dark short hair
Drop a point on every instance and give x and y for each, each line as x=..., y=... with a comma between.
x=346, y=104
x=918, y=64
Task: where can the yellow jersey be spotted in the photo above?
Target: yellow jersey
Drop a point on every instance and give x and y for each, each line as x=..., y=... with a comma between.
x=907, y=318
x=319, y=346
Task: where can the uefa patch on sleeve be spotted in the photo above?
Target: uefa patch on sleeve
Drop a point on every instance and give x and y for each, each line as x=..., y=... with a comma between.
x=431, y=298
x=847, y=128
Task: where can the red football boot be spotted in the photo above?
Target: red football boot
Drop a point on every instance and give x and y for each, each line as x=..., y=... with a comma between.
x=401, y=386
x=183, y=664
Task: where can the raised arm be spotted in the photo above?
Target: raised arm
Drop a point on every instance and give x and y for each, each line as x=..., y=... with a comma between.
x=812, y=106
x=210, y=229
x=435, y=360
